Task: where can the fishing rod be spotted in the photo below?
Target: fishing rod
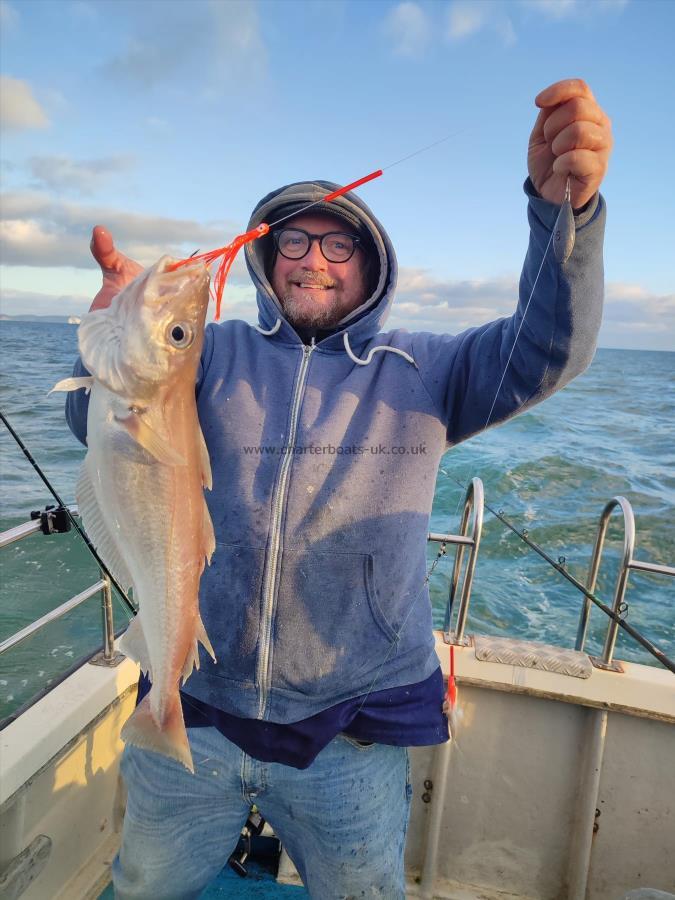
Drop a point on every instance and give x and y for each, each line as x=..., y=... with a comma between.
x=26, y=452
x=560, y=566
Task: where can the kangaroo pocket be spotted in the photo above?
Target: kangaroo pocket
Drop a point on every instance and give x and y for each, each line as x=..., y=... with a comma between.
x=230, y=608
x=329, y=630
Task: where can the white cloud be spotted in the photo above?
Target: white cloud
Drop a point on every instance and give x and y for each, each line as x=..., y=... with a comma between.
x=37, y=231
x=219, y=39
x=60, y=173
x=557, y=10
x=19, y=110
x=467, y=17
x=408, y=28
x=633, y=316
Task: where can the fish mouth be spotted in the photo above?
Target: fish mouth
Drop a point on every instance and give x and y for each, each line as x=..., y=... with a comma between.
x=168, y=266
x=171, y=280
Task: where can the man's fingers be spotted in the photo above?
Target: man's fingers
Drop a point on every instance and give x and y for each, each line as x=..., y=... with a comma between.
x=584, y=165
x=580, y=136
x=577, y=110
x=562, y=91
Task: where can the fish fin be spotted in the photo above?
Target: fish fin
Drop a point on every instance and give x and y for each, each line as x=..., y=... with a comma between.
x=133, y=645
x=209, y=535
x=170, y=738
x=192, y=658
x=148, y=438
x=207, y=478
x=74, y=384
x=202, y=636
x=97, y=529
x=191, y=662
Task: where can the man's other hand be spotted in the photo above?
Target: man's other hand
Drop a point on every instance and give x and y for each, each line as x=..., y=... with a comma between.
x=117, y=269
x=572, y=136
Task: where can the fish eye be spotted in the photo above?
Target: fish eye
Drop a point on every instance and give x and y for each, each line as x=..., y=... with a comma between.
x=180, y=335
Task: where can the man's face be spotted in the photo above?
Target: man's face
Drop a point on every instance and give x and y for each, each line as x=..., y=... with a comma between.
x=313, y=292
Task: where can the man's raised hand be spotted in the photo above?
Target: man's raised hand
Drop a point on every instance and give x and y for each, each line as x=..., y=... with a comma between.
x=117, y=269
x=572, y=136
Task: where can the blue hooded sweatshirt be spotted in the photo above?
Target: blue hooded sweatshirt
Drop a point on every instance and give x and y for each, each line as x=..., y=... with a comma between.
x=324, y=462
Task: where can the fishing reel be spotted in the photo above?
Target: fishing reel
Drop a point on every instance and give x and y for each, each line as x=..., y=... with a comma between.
x=53, y=519
x=253, y=828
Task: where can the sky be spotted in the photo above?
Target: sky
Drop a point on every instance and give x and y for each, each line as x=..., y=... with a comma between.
x=168, y=120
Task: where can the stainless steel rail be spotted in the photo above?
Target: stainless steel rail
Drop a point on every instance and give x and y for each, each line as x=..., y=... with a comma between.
x=108, y=656
x=474, y=500
x=627, y=563
x=51, y=616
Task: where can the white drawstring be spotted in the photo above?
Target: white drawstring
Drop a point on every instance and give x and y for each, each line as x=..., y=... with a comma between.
x=350, y=353
x=271, y=331
x=364, y=362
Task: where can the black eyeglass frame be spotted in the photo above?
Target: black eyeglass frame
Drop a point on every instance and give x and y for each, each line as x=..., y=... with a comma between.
x=316, y=237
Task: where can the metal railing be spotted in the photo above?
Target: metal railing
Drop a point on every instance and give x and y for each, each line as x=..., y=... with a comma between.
x=628, y=562
x=474, y=500
x=108, y=656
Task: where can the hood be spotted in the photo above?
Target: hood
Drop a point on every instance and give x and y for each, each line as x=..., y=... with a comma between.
x=367, y=319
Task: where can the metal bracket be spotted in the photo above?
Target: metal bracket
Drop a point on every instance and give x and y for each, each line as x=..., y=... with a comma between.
x=608, y=667
x=100, y=659
x=450, y=637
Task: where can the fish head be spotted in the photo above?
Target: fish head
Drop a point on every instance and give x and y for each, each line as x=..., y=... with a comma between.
x=152, y=332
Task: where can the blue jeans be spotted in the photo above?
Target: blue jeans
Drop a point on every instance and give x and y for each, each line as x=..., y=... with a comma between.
x=343, y=820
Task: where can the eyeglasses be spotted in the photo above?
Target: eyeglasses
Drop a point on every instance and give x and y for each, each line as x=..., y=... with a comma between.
x=294, y=243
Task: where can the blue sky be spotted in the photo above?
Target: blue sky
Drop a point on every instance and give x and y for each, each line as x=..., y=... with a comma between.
x=167, y=121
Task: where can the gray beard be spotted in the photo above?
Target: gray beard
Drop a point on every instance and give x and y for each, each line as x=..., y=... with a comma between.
x=299, y=316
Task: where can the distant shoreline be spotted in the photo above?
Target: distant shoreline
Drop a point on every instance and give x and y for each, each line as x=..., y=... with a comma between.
x=42, y=320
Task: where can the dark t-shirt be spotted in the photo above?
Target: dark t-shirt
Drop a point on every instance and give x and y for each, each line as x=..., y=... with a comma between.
x=409, y=716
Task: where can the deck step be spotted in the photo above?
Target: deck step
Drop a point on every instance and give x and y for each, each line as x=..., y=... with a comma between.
x=533, y=655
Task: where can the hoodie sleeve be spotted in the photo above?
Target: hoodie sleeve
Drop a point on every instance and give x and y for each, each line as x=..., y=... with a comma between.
x=77, y=405
x=77, y=402
x=462, y=373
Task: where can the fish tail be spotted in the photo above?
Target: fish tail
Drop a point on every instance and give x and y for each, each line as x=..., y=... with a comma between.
x=169, y=739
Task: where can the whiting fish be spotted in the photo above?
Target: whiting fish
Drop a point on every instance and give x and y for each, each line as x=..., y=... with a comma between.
x=140, y=490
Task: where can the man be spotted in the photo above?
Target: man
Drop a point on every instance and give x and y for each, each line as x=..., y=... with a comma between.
x=325, y=436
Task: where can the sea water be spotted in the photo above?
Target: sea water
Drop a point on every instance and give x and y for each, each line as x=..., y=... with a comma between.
x=551, y=470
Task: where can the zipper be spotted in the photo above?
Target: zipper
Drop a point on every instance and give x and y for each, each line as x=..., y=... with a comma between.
x=269, y=581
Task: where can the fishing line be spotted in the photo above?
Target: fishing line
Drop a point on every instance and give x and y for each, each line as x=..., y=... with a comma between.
x=354, y=184
x=562, y=237
x=53, y=492
x=228, y=253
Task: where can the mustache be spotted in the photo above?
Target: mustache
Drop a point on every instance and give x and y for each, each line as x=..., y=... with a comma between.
x=318, y=279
